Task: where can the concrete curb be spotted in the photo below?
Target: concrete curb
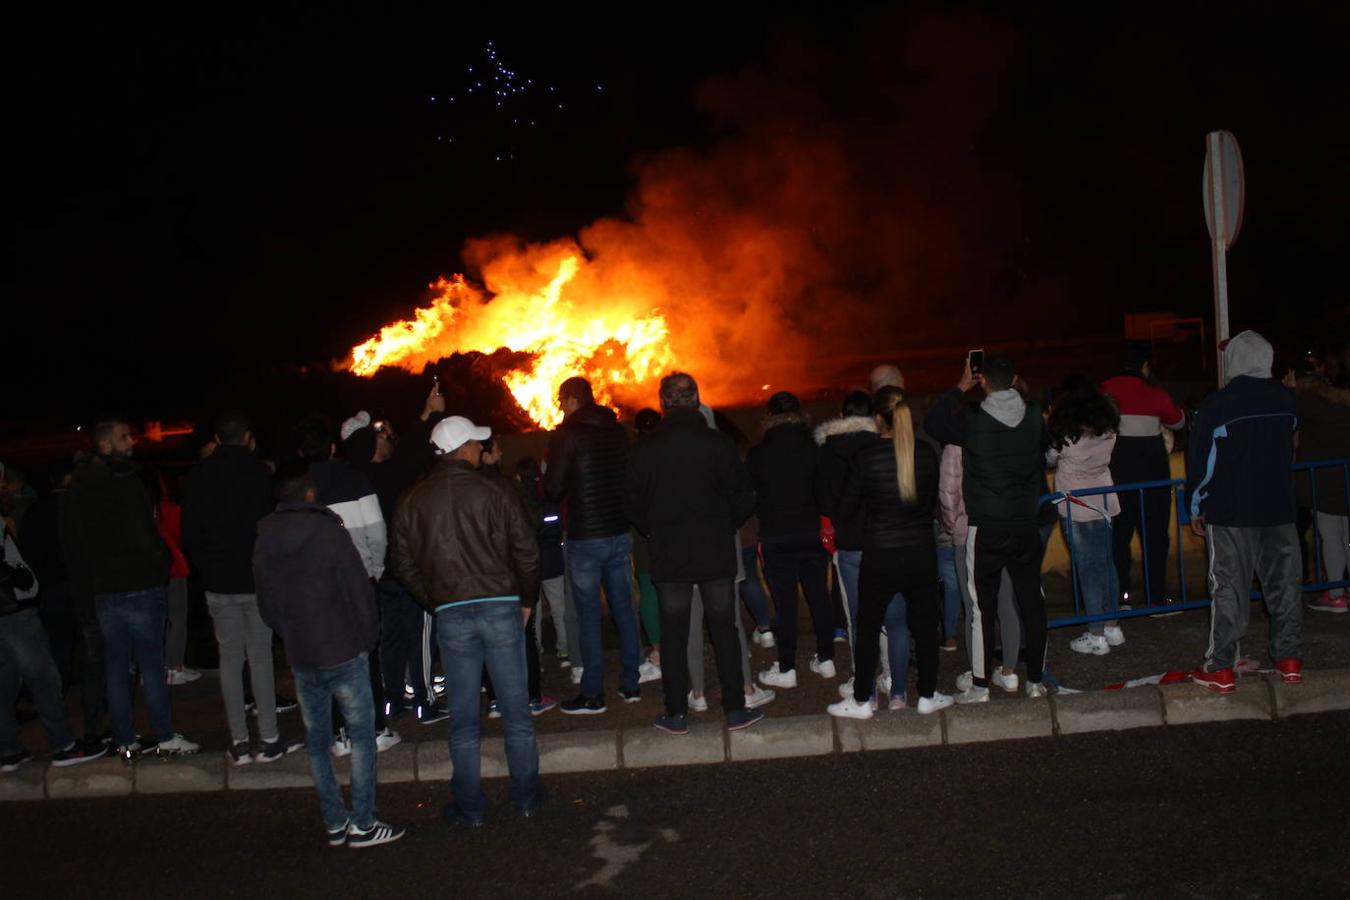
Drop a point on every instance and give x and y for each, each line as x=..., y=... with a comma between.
x=635, y=748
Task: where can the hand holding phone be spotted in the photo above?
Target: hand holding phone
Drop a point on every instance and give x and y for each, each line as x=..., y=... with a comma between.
x=976, y=361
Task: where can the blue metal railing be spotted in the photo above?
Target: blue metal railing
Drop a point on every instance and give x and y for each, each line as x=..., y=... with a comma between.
x=1176, y=486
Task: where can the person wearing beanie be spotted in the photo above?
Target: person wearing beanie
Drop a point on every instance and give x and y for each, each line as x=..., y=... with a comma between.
x=1240, y=496
x=1140, y=454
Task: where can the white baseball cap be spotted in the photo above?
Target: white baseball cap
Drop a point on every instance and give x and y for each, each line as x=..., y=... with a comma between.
x=454, y=432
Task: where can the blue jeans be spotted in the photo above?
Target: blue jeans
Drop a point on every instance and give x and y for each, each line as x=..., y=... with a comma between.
x=1094, y=566
x=606, y=561
x=752, y=589
x=133, y=629
x=473, y=635
x=26, y=660
x=951, y=590
x=348, y=685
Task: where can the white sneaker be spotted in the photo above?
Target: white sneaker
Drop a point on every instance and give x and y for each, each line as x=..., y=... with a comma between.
x=1007, y=682
x=576, y=674
x=1035, y=689
x=342, y=745
x=846, y=688
x=177, y=744
x=386, y=739
x=182, y=676
x=849, y=708
x=823, y=669
x=697, y=703
x=1114, y=636
x=973, y=694
x=965, y=681
x=929, y=705
x=896, y=703
x=648, y=671
x=1089, y=643
x=763, y=638
x=776, y=677
x=758, y=697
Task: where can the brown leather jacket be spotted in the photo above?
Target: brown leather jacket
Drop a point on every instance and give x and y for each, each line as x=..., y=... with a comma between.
x=460, y=535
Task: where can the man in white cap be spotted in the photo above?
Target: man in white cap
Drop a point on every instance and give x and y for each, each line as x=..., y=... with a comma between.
x=1240, y=491
x=464, y=545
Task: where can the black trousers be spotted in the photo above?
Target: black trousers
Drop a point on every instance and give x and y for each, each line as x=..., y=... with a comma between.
x=1141, y=459
x=401, y=625
x=787, y=565
x=911, y=571
x=989, y=550
x=93, y=669
x=719, y=608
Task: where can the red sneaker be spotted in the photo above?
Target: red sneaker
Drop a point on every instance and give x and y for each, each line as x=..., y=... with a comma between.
x=1220, y=682
x=1324, y=602
x=1290, y=669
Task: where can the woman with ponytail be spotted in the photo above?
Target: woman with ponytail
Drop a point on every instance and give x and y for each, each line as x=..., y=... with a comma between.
x=892, y=484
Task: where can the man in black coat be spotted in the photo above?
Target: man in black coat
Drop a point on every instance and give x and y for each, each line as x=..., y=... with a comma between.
x=586, y=461
x=688, y=493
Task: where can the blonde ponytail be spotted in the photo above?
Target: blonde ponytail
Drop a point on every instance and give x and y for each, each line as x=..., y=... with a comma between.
x=891, y=406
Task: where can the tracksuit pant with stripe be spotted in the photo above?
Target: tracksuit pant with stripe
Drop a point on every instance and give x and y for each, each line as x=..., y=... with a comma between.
x=1272, y=555
x=991, y=549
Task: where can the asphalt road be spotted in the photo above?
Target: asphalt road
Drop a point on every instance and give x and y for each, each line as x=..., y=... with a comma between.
x=1237, y=809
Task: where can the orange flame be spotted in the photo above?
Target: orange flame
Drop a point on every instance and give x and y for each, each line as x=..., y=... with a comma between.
x=618, y=344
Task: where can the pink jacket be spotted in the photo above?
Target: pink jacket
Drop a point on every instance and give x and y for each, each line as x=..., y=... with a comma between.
x=1086, y=463
x=951, y=502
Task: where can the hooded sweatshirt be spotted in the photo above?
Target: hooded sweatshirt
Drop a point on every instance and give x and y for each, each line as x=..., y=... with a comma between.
x=312, y=587
x=1003, y=469
x=349, y=493
x=1239, y=469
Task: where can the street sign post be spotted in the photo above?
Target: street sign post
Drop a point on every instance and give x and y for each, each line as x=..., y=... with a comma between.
x=1224, y=186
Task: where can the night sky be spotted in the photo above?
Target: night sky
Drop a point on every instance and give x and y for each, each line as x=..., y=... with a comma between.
x=191, y=195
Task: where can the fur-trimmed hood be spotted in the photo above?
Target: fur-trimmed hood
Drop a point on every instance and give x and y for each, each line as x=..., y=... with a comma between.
x=1319, y=387
x=844, y=425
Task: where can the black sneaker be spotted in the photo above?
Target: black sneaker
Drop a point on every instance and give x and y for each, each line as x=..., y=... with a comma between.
x=672, y=724
x=430, y=715
x=632, y=696
x=743, y=718
x=14, y=760
x=582, y=705
x=541, y=796
x=338, y=836
x=78, y=753
x=453, y=815
x=378, y=833
x=274, y=750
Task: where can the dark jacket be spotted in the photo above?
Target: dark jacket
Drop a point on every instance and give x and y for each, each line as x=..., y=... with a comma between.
x=1004, y=458
x=312, y=588
x=227, y=495
x=548, y=527
x=1239, y=466
x=783, y=471
x=1323, y=433
x=871, y=495
x=411, y=457
x=839, y=440
x=586, y=461
x=688, y=492
x=460, y=535
x=39, y=541
x=108, y=531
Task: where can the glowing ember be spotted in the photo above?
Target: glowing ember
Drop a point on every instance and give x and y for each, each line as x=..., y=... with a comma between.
x=619, y=344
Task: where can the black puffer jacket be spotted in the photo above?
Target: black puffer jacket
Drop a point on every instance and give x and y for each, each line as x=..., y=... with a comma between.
x=872, y=493
x=783, y=470
x=839, y=441
x=689, y=492
x=586, y=461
